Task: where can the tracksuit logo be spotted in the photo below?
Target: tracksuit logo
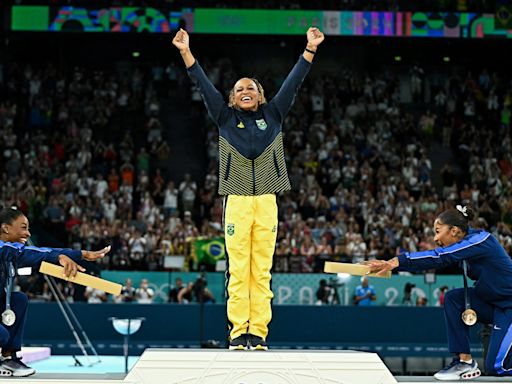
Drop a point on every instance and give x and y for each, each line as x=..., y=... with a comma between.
x=230, y=229
x=261, y=124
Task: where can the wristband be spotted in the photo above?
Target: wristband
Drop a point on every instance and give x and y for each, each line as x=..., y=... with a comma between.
x=310, y=51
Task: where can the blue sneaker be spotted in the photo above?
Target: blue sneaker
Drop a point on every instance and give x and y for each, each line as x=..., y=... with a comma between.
x=458, y=370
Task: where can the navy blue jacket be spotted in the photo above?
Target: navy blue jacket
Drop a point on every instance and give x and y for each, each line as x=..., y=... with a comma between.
x=29, y=256
x=251, y=153
x=488, y=264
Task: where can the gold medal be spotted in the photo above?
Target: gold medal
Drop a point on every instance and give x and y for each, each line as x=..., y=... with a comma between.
x=469, y=317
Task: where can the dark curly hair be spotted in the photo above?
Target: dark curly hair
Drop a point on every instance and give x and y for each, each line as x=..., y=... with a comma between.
x=8, y=215
x=459, y=217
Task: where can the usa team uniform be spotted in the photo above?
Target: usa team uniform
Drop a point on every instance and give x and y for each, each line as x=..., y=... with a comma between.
x=21, y=256
x=491, y=296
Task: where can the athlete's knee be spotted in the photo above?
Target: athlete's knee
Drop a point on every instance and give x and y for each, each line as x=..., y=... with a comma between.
x=453, y=297
x=19, y=299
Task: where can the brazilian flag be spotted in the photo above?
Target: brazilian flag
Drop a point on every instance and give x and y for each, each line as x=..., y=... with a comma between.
x=503, y=16
x=209, y=251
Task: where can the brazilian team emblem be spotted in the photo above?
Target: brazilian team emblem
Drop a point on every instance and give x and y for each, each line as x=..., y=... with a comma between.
x=261, y=124
x=231, y=229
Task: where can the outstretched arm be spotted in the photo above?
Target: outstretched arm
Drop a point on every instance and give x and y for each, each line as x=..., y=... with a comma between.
x=283, y=100
x=212, y=98
x=434, y=258
x=79, y=255
x=33, y=256
x=71, y=267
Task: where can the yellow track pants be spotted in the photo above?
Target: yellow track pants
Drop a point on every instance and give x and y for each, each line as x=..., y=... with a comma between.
x=250, y=228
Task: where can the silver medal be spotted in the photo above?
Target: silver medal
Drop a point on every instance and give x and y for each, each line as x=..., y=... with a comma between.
x=8, y=317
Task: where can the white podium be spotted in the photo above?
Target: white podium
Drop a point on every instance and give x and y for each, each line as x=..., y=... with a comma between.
x=194, y=366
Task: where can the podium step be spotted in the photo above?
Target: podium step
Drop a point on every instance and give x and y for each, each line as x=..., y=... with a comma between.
x=255, y=367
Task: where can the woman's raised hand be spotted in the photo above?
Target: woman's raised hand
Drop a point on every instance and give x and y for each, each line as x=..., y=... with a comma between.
x=315, y=36
x=181, y=40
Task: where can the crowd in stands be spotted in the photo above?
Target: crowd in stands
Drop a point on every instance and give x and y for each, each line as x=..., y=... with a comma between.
x=84, y=154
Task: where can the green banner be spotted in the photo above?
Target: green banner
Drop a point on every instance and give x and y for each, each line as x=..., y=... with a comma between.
x=255, y=21
x=30, y=18
x=263, y=21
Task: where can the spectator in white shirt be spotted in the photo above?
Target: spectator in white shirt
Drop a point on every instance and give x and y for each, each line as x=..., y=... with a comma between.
x=144, y=294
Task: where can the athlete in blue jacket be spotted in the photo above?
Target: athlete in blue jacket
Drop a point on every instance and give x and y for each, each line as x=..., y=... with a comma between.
x=252, y=171
x=14, y=233
x=491, y=296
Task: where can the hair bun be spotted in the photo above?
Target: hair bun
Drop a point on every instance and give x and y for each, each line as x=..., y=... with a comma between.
x=467, y=211
x=462, y=209
x=470, y=212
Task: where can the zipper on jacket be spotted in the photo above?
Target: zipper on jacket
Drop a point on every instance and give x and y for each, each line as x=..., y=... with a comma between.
x=276, y=164
x=252, y=162
x=253, y=178
x=228, y=167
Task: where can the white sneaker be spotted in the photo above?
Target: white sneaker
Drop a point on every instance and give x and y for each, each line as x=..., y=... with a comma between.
x=458, y=370
x=5, y=372
x=15, y=366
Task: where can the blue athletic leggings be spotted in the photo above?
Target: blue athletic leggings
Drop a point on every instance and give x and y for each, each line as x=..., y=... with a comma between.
x=12, y=337
x=499, y=356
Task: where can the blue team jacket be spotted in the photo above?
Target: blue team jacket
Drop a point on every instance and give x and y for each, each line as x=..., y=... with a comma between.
x=488, y=264
x=29, y=256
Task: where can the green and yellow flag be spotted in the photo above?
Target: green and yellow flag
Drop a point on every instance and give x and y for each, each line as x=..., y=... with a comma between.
x=503, y=16
x=210, y=250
